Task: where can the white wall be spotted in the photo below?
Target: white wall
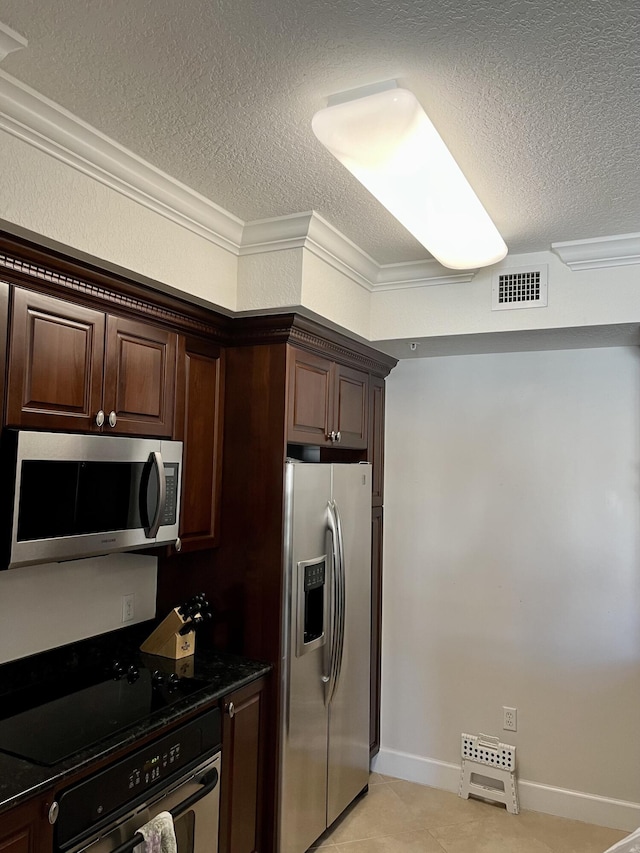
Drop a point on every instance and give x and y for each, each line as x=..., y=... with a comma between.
x=333, y=295
x=512, y=570
x=585, y=298
x=58, y=603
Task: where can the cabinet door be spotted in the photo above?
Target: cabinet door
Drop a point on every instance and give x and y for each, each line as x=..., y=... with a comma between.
x=25, y=828
x=376, y=629
x=55, y=363
x=375, y=451
x=351, y=406
x=139, y=378
x=310, y=401
x=200, y=412
x=242, y=750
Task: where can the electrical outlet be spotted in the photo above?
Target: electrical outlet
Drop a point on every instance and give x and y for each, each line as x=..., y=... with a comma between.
x=509, y=719
x=127, y=607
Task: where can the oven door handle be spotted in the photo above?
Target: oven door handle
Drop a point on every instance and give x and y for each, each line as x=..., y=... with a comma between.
x=210, y=782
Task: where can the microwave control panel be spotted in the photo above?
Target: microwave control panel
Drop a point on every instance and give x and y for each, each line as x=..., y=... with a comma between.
x=171, y=471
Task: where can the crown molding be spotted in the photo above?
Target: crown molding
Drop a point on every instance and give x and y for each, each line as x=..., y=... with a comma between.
x=599, y=253
x=33, y=118
x=312, y=232
x=10, y=41
x=425, y=273
x=30, y=116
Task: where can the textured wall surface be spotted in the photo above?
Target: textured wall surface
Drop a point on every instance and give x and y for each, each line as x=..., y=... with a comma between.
x=537, y=100
x=512, y=544
x=332, y=295
x=270, y=280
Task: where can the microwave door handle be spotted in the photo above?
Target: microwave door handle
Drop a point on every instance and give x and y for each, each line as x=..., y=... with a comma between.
x=156, y=459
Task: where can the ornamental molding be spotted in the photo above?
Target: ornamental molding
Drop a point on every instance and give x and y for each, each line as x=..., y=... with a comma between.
x=600, y=252
x=35, y=119
x=107, y=296
x=10, y=41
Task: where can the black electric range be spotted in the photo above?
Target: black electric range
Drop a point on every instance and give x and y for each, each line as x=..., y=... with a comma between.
x=93, y=693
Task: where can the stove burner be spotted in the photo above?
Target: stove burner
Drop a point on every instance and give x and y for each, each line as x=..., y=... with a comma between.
x=78, y=710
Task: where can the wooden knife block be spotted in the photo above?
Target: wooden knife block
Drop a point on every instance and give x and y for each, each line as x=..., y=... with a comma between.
x=166, y=640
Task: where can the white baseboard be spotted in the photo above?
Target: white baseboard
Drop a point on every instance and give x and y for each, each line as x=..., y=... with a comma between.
x=602, y=811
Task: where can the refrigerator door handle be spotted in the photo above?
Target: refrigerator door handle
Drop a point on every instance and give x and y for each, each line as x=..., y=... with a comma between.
x=332, y=648
x=342, y=596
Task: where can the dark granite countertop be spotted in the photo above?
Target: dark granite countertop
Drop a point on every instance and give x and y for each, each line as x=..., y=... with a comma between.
x=221, y=674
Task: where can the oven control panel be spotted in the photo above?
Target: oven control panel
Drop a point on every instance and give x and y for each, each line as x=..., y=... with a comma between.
x=159, y=764
x=118, y=787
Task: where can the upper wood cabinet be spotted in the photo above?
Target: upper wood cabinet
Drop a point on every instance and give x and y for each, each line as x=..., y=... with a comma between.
x=199, y=424
x=327, y=402
x=68, y=364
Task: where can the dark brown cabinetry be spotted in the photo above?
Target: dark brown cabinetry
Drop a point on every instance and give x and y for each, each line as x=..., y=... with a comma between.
x=243, y=731
x=327, y=402
x=288, y=373
x=25, y=828
x=75, y=368
x=199, y=420
x=375, y=449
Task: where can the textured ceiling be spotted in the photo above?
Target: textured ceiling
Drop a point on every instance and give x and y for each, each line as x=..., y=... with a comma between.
x=538, y=101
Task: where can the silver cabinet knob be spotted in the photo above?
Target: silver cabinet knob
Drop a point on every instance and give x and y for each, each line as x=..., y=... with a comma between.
x=231, y=710
x=178, y=544
x=53, y=812
x=332, y=435
x=338, y=436
x=113, y=419
x=100, y=418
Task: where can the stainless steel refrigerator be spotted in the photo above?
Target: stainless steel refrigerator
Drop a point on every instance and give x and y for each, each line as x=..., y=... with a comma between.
x=326, y=642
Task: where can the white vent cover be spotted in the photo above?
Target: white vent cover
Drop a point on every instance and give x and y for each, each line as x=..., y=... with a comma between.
x=525, y=287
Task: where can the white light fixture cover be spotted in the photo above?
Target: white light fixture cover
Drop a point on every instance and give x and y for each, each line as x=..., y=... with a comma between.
x=387, y=142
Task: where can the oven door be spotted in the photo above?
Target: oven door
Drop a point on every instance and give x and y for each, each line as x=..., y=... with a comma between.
x=194, y=803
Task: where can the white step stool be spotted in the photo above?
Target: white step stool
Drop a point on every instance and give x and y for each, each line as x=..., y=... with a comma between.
x=485, y=756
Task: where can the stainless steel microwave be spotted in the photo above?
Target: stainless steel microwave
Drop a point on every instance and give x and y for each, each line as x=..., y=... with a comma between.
x=85, y=495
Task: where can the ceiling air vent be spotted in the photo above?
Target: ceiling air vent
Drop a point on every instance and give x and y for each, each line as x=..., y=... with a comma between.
x=525, y=287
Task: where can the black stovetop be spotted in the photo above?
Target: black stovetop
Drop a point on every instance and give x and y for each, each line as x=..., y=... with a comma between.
x=97, y=692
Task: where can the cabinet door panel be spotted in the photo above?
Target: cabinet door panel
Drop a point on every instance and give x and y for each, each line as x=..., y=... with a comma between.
x=202, y=378
x=25, y=828
x=242, y=747
x=55, y=366
x=351, y=406
x=140, y=376
x=310, y=401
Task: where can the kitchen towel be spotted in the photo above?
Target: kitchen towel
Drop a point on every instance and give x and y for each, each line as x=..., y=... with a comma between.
x=159, y=835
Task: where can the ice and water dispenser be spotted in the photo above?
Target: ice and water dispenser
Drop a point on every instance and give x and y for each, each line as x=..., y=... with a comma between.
x=312, y=604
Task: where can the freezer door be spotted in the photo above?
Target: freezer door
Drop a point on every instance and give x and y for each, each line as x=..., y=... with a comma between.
x=302, y=815
x=348, y=771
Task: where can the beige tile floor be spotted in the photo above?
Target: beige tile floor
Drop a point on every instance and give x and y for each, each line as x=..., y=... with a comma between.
x=402, y=817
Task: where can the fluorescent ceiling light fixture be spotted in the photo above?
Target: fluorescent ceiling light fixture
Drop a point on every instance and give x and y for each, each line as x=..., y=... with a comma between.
x=386, y=140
